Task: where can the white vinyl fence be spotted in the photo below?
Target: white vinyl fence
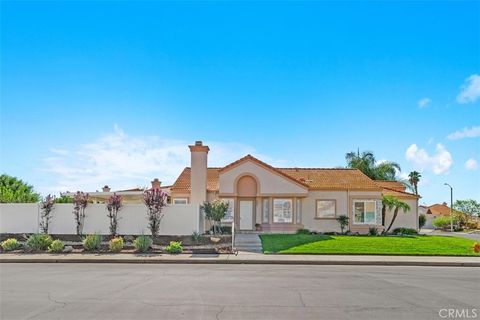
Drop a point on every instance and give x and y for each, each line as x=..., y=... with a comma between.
x=25, y=218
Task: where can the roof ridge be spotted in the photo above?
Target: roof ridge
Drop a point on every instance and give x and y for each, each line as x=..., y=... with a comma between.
x=412, y=194
x=312, y=168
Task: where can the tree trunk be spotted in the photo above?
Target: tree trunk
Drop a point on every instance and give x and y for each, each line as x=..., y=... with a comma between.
x=384, y=210
x=393, y=219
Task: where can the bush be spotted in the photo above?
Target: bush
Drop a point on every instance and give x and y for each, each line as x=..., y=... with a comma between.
x=116, y=244
x=174, y=247
x=142, y=243
x=303, y=231
x=422, y=219
x=343, y=221
x=405, y=231
x=39, y=242
x=10, y=244
x=92, y=242
x=442, y=222
x=195, y=237
x=56, y=246
x=373, y=231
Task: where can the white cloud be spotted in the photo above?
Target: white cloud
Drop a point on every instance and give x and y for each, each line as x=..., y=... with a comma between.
x=470, y=90
x=423, y=103
x=124, y=161
x=465, y=133
x=471, y=164
x=439, y=163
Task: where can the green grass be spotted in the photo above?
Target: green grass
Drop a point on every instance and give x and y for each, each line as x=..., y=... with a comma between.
x=391, y=245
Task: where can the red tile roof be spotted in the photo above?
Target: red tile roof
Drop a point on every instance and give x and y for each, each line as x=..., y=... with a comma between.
x=312, y=178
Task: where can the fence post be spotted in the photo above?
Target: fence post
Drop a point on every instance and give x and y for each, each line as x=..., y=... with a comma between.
x=233, y=235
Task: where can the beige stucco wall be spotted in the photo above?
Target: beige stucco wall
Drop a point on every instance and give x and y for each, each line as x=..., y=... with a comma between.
x=23, y=218
x=269, y=182
x=309, y=207
x=407, y=219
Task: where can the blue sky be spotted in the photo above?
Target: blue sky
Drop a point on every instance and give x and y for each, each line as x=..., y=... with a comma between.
x=96, y=93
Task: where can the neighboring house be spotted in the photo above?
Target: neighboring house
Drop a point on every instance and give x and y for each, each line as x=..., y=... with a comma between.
x=133, y=196
x=287, y=199
x=434, y=211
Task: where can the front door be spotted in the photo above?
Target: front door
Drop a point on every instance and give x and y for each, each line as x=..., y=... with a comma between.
x=246, y=214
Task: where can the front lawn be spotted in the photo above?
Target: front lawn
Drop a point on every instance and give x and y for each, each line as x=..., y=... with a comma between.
x=391, y=245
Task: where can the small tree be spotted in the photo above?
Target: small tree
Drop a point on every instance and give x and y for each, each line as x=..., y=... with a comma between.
x=393, y=203
x=114, y=204
x=215, y=211
x=46, y=207
x=155, y=200
x=343, y=221
x=422, y=219
x=470, y=208
x=80, y=202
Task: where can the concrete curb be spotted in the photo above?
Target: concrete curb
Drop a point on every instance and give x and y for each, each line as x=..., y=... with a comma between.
x=238, y=260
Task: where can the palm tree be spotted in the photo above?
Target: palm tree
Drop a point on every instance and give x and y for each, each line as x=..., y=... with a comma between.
x=366, y=163
x=414, y=178
x=392, y=203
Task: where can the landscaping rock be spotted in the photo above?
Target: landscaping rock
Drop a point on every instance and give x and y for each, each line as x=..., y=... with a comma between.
x=129, y=238
x=67, y=249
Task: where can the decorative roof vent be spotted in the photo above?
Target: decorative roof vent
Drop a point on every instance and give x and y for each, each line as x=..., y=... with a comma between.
x=106, y=188
x=156, y=184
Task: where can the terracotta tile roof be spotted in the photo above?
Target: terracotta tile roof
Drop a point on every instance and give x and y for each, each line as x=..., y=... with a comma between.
x=312, y=178
x=332, y=178
x=399, y=194
x=183, y=181
x=439, y=209
x=392, y=185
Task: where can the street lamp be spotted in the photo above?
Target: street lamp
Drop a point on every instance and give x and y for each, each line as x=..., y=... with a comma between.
x=451, y=205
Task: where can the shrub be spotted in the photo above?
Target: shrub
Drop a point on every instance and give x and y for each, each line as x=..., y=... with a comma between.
x=114, y=204
x=195, y=237
x=442, y=222
x=174, y=247
x=80, y=202
x=56, y=246
x=10, y=244
x=116, y=244
x=422, y=219
x=343, y=221
x=46, y=207
x=39, y=242
x=405, y=231
x=215, y=211
x=92, y=242
x=303, y=231
x=373, y=231
x=155, y=200
x=142, y=243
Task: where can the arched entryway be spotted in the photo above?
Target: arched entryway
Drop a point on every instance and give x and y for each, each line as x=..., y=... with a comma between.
x=246, y=190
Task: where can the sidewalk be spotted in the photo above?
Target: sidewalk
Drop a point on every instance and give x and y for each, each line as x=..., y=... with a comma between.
x=244, y=258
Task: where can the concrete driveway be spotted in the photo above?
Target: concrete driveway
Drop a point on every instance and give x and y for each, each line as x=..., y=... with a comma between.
x=116, y=291
x=472, y=235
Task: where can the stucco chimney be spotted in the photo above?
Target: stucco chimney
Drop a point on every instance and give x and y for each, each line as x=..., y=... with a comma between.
x=156, y=184
x=106, y=188
x=198, y=175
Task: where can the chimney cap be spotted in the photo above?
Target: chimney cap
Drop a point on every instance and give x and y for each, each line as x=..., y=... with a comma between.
x=199, y=147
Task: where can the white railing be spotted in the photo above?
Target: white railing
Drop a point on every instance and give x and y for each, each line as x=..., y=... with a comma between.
x=233, y=236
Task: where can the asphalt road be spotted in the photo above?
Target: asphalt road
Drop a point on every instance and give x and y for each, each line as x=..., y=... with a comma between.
x=116, y=291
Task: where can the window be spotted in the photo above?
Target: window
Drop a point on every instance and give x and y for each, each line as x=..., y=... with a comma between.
x=282, y=211
x=180, y=200
x=364, y=212
x=231, y=210
x=298, y=211
x=266, y=210
x=326, y=208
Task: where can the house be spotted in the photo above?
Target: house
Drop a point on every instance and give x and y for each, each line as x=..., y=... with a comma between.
x=434, y=211
x=287, y=199
x=132, y=196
